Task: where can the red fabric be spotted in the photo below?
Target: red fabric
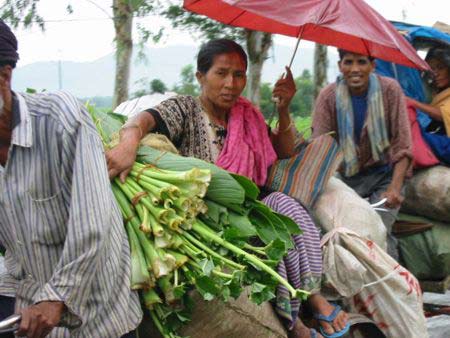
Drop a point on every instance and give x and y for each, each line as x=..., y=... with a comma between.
x=247, y=150
x=349, y=24
x=422, y=154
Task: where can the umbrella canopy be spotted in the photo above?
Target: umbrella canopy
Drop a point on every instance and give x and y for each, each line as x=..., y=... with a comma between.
x=349, y=24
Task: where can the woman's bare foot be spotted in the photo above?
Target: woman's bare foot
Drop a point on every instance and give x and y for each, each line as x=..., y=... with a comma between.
x=301, y=331
x=321, y=306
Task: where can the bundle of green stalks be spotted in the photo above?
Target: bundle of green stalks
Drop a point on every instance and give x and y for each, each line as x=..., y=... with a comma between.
x=192, y=225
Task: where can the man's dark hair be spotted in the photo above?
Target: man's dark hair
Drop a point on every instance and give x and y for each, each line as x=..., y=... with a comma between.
x=8, y=46
x=8, y=63
x=343, y=52
x=213, y=48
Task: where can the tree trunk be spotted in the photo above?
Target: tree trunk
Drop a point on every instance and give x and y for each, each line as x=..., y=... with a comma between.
x=123, y=25
x=258, y=44
x=320, y=68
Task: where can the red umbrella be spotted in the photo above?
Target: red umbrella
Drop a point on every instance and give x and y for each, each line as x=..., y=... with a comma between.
x=349, y=24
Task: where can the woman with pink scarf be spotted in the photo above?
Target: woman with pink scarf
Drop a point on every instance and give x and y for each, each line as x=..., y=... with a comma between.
x=222, y=127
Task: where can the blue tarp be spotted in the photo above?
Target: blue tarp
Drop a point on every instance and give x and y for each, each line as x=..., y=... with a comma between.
x=409, y=78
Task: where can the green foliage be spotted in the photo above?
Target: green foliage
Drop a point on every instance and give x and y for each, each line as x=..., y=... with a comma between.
x=198, y=24
x=21, y=13
x=302, y=103
x=188, y=84
x=157, y=86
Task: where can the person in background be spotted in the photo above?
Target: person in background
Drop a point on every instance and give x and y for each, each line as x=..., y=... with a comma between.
x=67, y=256
x=438, y=133
x=223, y=128
x=368, y=115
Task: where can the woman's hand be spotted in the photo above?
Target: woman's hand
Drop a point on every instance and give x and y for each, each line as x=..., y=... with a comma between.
x=121, y=158
x=284, y=90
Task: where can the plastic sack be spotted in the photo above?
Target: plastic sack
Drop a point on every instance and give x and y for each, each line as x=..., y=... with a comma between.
x=340, y=204
x=427, y=194
x=385, y=292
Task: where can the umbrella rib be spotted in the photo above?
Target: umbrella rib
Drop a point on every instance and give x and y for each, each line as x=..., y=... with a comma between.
x=236, y=17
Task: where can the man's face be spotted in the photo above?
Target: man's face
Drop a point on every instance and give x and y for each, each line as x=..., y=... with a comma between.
x=356, y=69
x=5, y=88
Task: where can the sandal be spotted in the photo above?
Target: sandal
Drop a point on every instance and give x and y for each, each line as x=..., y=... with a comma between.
x=329, y=319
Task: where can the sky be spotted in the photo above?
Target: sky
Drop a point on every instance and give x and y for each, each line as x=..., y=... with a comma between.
x=88, y=33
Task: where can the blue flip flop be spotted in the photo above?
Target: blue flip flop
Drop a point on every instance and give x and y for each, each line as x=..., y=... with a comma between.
x=329, y=319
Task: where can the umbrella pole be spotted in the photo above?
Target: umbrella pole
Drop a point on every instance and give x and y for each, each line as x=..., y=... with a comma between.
x=276, y=99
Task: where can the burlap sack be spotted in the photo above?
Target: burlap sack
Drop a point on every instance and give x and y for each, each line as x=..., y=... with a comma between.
x=428, y=194
x=238, y=318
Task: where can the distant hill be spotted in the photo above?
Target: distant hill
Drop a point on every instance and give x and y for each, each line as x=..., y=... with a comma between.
x=96, y=78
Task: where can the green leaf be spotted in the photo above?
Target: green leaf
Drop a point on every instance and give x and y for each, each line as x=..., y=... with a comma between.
x=292, y=227
x=207, y=266
x=218, y=213
x=276, y=250
x=207, y=287
x=278, y=225
x=261, y=293
x=210, y=222
x=263, y=226
x=242, y=224
x=223, y=188
x=235, y=237
x=179, y=291
x=251, y=189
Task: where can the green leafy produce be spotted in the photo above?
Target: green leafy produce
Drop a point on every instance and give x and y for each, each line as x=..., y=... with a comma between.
x=192, y=225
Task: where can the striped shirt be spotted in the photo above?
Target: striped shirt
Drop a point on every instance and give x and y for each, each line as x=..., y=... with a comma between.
x=59, y=222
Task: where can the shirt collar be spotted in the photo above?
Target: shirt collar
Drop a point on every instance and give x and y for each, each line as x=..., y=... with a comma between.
x=22, y=134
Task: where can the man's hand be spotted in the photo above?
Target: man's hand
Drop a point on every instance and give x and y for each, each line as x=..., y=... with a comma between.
x=39, y=319
x=394, y=198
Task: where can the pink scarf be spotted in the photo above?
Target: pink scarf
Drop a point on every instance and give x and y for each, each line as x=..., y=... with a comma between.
x=247, y=150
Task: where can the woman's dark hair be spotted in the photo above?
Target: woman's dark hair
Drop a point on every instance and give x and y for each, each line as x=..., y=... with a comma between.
x=440, y=53
x=211, y=49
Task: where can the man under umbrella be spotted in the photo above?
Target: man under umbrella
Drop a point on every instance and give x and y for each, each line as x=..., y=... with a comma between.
x=368, y=114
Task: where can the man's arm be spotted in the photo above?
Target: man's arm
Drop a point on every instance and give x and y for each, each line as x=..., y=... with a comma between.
x=393, y=192
x=401, y=144
x=89, y=223
x=323, y=113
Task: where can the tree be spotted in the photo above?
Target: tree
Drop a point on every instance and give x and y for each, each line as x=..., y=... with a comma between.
x=157, y=86
x=25, y=12
x=320, y=68
x=257, y=44
x=302, y=102
x=188, y=84
x=146, y=87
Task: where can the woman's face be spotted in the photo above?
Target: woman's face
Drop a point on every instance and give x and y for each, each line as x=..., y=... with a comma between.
x=225, y=80
x=441, y=74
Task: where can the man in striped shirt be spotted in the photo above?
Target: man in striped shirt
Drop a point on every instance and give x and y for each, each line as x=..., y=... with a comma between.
x=67, y=255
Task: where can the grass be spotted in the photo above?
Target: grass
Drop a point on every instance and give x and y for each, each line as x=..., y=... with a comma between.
x=303, y=125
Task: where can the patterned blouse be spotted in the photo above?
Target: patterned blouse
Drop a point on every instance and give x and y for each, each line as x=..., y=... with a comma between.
x=183, y=120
